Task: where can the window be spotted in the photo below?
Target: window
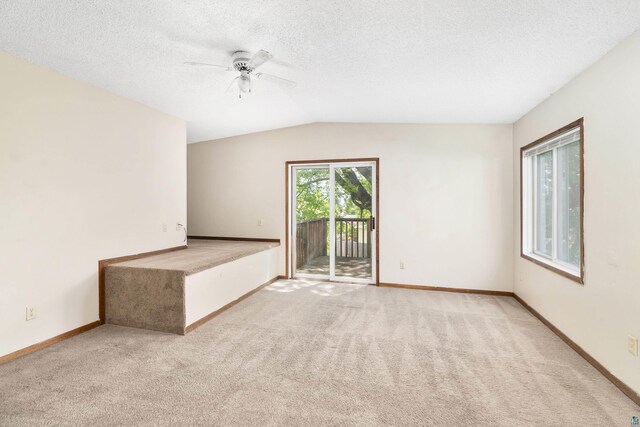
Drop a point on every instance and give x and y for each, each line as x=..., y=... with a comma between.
x=552, y=195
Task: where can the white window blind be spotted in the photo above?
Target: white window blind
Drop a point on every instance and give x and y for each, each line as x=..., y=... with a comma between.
x=561, y=140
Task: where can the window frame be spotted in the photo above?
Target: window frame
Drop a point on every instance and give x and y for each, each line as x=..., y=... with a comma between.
x=529, y=216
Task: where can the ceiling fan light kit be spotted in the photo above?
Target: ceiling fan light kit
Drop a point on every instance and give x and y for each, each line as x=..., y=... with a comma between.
x=246, y=64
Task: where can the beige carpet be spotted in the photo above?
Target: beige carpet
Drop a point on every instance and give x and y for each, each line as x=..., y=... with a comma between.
x=149, y=292
x=200, y=255
x=313, y=353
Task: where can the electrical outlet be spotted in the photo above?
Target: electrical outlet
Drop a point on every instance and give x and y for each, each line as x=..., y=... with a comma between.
x=31, y=313
x=632, y=345
x=259, y=223
x=164, y=227
x=401, y=265
x=178, y=226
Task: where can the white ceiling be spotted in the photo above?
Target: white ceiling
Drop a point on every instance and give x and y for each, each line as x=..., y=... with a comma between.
x=406, y=61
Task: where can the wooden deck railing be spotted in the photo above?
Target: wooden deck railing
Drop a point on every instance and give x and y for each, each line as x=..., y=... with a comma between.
x=353, y=237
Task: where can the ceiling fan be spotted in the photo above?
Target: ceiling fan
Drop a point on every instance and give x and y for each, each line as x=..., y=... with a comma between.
x=246, y=64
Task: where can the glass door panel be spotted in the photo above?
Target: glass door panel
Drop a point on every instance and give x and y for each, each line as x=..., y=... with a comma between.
x=352, y=222
x=311, y=221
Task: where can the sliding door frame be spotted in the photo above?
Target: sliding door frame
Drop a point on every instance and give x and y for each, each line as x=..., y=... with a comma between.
x=292, y=229
x=289, y=261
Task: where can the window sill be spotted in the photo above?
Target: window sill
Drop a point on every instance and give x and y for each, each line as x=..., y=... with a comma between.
x=556, y=268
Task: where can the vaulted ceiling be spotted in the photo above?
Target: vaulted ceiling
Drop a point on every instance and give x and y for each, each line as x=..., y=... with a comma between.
x=404, y=61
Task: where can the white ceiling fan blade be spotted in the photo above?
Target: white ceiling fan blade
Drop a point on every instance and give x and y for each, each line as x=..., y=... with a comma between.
x=276, y=79
x=258, y=59
x=204, y=64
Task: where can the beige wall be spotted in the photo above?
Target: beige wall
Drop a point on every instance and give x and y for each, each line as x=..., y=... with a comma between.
x=445, y=194
x=599, y=315
x=84, y=175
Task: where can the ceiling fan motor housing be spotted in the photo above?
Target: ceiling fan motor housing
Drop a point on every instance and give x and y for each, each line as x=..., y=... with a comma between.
x=240, y=60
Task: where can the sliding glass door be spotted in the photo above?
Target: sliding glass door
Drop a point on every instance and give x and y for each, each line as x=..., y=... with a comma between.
x=352, y=195
x=310, y=226
x=332, y=228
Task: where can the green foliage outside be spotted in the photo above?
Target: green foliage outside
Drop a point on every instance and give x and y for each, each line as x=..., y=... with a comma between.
x=353, y=193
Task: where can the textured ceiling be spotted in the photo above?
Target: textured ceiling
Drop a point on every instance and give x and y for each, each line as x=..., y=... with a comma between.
x=408, y=61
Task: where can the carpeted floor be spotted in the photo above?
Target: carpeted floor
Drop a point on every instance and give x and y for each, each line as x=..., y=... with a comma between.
x=200, y=255
x=309, y=353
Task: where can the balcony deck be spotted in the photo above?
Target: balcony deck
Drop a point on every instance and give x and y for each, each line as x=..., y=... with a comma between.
x=359, y=268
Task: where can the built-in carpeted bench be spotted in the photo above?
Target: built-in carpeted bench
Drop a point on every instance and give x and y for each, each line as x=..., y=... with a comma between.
x=177, y=291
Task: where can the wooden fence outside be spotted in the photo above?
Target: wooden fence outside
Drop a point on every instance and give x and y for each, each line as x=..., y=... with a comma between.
x=311, y=240
x=353, y=237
